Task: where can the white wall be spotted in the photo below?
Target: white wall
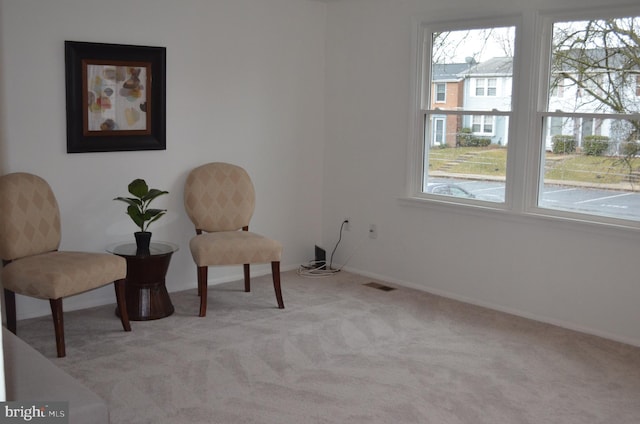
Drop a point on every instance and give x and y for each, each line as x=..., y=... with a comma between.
x=573, y=275
x=250, y=81
x=245, y=84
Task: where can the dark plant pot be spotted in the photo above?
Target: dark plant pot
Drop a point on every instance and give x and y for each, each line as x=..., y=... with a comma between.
x=143, y=238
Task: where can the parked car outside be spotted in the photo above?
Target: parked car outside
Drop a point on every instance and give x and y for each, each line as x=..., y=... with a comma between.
x=448, y=189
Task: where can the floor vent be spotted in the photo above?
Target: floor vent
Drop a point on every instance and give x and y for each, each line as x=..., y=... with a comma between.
x=379, y=286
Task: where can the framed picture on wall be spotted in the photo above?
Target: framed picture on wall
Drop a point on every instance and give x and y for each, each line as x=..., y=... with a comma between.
x=115, y=96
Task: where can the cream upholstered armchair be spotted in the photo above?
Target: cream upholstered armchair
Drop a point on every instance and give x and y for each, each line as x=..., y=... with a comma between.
x=219, y=199
x=33, y=266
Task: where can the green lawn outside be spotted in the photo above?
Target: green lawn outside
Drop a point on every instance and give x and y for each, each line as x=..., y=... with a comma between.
x=492, y=162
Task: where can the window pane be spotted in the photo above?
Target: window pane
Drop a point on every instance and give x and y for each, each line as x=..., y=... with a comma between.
x=438, y=131
x=555, y=127
x=592, y=159
x=475, y=163
x=488, y=125
x=597, y=63
x=470, y=161
x=480, y=87
x=476, y=127
x=491, y=87
x=595, y=174
x=440, y=92
x=470, y=63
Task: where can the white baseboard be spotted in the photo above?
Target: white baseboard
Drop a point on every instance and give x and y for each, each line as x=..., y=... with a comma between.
x=500, y=308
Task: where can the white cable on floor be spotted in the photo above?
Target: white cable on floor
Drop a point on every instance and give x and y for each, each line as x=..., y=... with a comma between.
x=318, y=269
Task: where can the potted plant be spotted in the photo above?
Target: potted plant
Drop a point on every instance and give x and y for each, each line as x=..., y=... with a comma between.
x=140, y=212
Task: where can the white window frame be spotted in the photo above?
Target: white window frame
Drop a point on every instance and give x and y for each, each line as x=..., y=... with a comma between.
x=442, y=133
x=483, y=125
x=436, y=92
x=555, y=126
x=490, y=87
x=543, y=90
x=530, y=88
x=421, y=101
x=485, y=87
x=479, y=86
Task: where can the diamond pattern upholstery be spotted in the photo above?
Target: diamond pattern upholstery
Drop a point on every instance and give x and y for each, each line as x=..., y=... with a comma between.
x=219, y=198
x=30, y=221
x=234, y=248
x=54, y=275
x=32, y=265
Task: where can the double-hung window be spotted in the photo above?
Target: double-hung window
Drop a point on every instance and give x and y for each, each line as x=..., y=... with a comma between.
x=475, y=60
x=590, y=165
x=480, y=86
x=574, y=130
x=482, y=125
x=441, y=92
x=486, y=86
x=491, y=87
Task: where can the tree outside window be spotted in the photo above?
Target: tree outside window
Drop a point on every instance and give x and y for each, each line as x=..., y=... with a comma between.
x=596, y=63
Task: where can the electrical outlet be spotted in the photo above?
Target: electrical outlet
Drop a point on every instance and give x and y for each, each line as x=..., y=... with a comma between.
x=347, y=224
x=373, y=231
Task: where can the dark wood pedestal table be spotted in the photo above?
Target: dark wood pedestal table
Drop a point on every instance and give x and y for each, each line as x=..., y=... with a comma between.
x=146, y=292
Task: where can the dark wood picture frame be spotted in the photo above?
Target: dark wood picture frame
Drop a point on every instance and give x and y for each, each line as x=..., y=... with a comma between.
x=134, y=79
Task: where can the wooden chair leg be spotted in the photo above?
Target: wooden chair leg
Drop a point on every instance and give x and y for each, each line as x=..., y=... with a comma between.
x=275, y=270
x=10, y=306
x=202, y=289
x=58, y=325
x=122, y=303
x=247, y=278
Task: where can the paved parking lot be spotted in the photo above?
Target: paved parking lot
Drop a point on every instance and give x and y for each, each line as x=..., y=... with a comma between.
x=612, y=203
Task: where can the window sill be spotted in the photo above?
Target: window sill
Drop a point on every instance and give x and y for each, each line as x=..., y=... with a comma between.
x=486, y=210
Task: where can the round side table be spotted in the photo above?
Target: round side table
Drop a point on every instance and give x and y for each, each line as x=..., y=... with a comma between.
x=146, y=293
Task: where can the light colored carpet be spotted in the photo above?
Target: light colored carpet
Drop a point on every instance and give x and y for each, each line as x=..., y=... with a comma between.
x=343, y=352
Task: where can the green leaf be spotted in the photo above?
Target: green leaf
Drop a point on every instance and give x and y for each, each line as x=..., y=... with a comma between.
x=152, y=213
x=138, y=188
x=138, y=205
x=152, y=194
x=137, y=216
x=155, y=217
x=130, y=201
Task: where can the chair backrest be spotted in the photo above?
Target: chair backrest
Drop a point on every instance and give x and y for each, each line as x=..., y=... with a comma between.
x=29, y=216
x=219, y=197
